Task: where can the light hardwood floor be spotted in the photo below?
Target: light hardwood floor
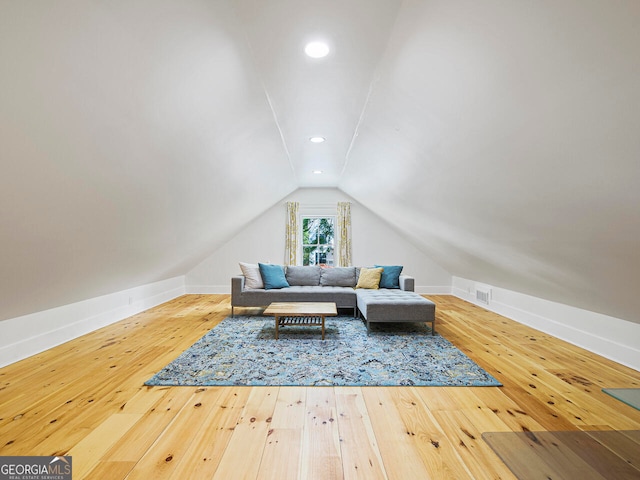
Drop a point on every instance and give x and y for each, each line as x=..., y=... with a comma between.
x=86, y=399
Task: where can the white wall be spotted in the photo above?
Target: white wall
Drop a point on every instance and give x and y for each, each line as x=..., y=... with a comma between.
x=374, y=241
x=613, y=338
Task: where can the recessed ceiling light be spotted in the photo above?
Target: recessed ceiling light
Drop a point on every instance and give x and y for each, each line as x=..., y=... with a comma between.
x=317, y=172
x=316, y=49
x=317, y=139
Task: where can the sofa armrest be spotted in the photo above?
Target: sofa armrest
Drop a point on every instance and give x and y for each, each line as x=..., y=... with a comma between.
x=237, y=286
x=407, y=283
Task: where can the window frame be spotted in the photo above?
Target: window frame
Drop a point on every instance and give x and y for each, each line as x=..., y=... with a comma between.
x=331, y=247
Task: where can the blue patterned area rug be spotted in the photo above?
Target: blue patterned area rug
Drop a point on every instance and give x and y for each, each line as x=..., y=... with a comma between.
x=243, y=351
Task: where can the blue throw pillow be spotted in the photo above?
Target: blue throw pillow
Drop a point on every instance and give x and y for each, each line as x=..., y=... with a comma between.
x=390, y=276
x=272, y=276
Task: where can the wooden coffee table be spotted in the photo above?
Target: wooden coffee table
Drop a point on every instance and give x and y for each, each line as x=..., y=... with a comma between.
x=301, y=313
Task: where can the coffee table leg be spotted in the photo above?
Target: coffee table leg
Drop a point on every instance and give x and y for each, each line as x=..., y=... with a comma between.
x=277, y=323
x=323, y=327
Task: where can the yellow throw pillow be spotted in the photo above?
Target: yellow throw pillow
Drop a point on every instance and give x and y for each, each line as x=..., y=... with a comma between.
x=369, y=278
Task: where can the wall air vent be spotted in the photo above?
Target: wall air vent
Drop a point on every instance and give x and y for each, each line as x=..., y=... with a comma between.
x=483, y=295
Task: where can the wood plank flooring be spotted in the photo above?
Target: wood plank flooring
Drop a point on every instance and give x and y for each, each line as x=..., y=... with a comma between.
x=86, y=399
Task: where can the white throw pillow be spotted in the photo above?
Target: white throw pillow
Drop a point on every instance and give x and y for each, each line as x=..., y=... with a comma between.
x=252, y=276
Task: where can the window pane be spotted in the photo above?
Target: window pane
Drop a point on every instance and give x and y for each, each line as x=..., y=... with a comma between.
x=309, y=255
x=305, y=230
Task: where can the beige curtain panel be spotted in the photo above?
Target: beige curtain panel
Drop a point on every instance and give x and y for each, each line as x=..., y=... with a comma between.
x=343, y=228
x=291, y=240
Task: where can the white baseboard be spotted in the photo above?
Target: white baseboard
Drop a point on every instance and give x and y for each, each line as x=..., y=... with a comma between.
x=611, y=337
x=59, y=325
x=209, y=289
x=433, y=290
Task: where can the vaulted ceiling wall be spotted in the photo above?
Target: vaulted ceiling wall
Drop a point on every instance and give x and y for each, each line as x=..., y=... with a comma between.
x=506, y=139
x=502, y=138
x=135, y=136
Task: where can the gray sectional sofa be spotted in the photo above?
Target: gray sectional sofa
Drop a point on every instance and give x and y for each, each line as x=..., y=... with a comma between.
x=315, y=284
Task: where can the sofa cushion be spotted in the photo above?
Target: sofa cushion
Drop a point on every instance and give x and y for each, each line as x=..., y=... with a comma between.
x=272, y=276
x=343, y=297
x=390, y=277
x=252, y=277
x=369, y=278
x=303, y=276
x=338, y=277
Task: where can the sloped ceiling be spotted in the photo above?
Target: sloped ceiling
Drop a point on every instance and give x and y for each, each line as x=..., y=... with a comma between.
x=511, y=132
x=137, y=136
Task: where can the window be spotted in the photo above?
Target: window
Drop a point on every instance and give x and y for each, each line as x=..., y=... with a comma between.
x=317, y=240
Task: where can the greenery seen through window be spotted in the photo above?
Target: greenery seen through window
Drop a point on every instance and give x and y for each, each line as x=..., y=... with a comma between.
x=317, y=240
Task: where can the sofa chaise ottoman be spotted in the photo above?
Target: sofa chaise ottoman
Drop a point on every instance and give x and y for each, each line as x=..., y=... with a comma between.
x=395, y=305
